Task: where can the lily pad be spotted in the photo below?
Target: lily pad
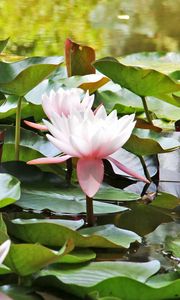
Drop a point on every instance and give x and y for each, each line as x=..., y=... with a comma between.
x=10, y=189
x=142, y=81
x=25, y=259
x=31, y=145
x=72, y=200
x=53, y=233
x=114, y=279
x=20, y=77
x=147, y=142
x=77, y=256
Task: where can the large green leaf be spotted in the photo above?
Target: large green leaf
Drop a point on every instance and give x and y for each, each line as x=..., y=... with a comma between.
x=20, y=77
x=166, y=63
x=147, y=142
x=72, y=200
x=90, y=82
x=142, y=81
x=25, y=259
x=10, y=189
x=31, y=144
x=126, y=102
x=77, y=256
x=101, y=277
x=56, y=233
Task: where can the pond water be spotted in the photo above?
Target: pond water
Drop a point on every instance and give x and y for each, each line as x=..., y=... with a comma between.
x=111, y=27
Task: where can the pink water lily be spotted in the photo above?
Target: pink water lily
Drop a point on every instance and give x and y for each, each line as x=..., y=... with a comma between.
x=63, y=102
x=90, y=138
x=4, y=249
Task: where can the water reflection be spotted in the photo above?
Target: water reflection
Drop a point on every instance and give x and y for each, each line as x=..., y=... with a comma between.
x=111, y=27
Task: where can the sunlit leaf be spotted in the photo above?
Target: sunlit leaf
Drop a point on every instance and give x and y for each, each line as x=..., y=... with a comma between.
x=147, y=142
x=20, y=77
x=25, y=259
x=10, y=189
x=142, y=81
x=56, y=233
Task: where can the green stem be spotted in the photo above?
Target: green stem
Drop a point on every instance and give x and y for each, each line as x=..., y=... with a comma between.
x=148, y=116
x=17, y=130
x=89, y=211
x=145, y=168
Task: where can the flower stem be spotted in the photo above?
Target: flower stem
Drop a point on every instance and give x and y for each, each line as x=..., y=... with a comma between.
x=148, y=116
x=146, y=172
x=69, y=166
x=89, y=211
x=17, y=129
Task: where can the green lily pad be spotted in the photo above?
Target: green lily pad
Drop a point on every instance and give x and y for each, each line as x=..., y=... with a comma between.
x=10, y=189
x=142, y=81
x=72, y=200
x=166, y=63
x=25, y=259
x=54, y=233
x=147, y=142
x=82, y=280
x=77, y=256
x=166, y=200
x=126, y=102
x=31, y=145
x=20, y=77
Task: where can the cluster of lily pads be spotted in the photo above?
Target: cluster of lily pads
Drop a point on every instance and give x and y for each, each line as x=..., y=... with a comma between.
x=46, y=247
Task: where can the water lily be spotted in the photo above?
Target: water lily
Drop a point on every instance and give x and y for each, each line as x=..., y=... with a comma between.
x=4, y=249
x=63, y=102
x=90, y=137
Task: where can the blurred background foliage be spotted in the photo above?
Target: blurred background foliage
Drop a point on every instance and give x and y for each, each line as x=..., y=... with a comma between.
x=38, y=27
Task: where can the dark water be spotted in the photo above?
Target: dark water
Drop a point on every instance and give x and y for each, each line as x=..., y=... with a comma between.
x=111, y=27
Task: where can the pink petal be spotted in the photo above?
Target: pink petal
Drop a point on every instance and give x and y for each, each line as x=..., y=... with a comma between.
x=49, y=160
x=90, y=174
x=126, y=170
x=36, y=126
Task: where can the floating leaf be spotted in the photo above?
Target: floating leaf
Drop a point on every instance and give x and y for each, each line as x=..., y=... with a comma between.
x=112, y=279
x=20, y=77
x=79, y=59
x=166, y=63
x=54, y=233
x=77, y=256
x=25, y=259
x=166, y=200
x=31, y=145
x=72, y=200
x=126, y=102
x=147, y=142
x=10, y=189
x=142, y=81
